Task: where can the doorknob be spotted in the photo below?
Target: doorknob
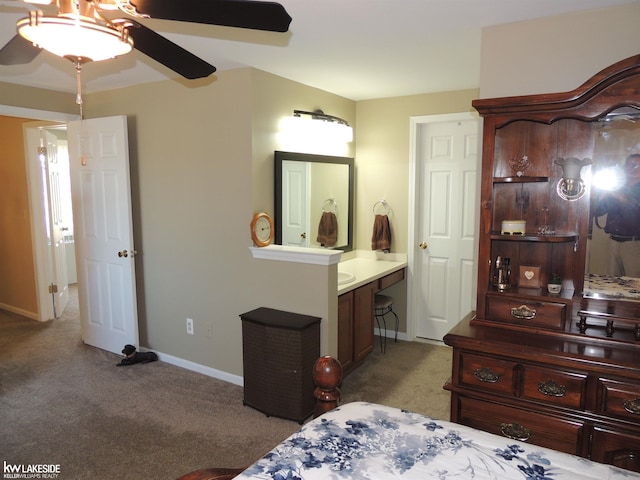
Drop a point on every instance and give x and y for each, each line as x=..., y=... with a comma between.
x=303, y=235
x=423, y=245
x=123, y=253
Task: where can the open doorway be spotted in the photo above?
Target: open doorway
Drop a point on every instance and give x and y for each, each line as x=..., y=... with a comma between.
x=30, y=261
x=47, y=157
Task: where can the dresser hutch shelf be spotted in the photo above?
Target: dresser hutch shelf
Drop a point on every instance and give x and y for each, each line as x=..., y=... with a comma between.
x=557, y=370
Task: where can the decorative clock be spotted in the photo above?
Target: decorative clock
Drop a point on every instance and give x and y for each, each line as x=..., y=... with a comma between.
x=262, y=230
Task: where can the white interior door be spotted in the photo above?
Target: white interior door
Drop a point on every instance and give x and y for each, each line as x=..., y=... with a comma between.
x=57, y=224
x=46, y=169
x=103, y=227
x=295, y=203
x=444, y=275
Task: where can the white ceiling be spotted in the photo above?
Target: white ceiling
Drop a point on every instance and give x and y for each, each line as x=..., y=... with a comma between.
x=359, y=49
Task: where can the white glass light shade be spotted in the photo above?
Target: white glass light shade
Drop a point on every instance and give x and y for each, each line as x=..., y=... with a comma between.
x=75, y=38
x=327, y=131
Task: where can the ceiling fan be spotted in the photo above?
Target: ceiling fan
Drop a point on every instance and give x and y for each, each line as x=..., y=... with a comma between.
x=85, y=30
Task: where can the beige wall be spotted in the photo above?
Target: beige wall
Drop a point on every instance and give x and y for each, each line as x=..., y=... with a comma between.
x=17, y=268
x=202, y=164
x=382, y=167
x=382, y=157
x=556, y=54
x=15, y=95
x=191, y=181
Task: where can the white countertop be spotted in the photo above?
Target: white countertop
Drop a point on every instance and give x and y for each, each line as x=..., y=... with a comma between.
x=366, y=270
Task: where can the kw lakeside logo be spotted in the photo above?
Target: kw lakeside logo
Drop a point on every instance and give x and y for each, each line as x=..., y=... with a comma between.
x=37, y=470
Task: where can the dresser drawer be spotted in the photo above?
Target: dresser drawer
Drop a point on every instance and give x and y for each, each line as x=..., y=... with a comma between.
x=554, y=387
x=620, y=399
x=616, y=447
x=390, y=279
x=523, y=312
x=488, y=373
x=522, y=425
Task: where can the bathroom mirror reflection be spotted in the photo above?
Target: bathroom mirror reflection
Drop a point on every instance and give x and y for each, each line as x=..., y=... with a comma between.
x=314, y=197
x=613, y=248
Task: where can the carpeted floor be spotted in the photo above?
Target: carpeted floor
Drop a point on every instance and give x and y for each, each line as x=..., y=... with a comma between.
x=65, y=403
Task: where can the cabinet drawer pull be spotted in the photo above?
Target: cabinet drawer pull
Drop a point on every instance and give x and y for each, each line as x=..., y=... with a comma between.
x=515, y=431
x=552, y=389
x=486, y=375
x=632, y=406
x=523, y=312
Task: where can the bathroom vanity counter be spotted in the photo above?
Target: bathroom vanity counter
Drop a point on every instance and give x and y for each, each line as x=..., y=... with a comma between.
x=366, y=270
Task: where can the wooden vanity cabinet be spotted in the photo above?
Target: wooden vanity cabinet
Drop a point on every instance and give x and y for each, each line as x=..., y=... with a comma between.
x=345, y=331
x=549, y=369
x=355, y=326
x=356, y=320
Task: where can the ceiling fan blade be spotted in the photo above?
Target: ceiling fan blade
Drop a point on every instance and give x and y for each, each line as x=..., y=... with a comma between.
x=270, y=16
x=18, y=51
x=168, y=53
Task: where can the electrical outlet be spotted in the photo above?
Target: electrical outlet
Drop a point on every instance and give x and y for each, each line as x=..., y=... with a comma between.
x=190, y=326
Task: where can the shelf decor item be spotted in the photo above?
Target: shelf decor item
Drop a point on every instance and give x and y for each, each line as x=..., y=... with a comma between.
x=519, y=165
x=555, y=283
x=529, y=277
x=513, y=227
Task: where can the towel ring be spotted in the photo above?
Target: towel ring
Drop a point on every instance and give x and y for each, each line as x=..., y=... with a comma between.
x=330, y=205
x=383, y=204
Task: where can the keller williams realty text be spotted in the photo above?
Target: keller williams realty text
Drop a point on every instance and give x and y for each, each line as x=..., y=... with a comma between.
x=31, y=471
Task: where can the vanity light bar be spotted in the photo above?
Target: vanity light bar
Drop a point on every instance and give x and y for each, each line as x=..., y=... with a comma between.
x=320, y=115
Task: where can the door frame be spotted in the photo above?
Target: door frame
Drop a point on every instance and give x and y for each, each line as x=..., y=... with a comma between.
x=415, y=172
x=41, y=251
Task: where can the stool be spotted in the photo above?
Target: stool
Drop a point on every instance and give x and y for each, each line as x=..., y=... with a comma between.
x=383, y=304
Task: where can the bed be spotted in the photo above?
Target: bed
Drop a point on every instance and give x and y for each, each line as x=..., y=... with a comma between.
x=368, y=441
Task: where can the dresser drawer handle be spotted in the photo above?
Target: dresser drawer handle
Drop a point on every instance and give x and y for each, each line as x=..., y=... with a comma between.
x=632, y=406
x=523, y=312
x=486, y=375
x=552, y=389
x=515, y=431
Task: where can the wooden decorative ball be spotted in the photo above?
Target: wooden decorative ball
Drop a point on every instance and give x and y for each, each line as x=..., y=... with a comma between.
x=327, y=373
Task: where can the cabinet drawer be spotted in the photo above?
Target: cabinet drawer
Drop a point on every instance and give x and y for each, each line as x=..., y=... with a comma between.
x=390, y=279
x=522, y=425
x=487, y=373
x=616, y=447
x=620, y=399
x=526, y=312
x=554, y=387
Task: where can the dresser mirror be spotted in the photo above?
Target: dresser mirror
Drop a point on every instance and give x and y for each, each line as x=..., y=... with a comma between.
x=607, y=273
x=314, y=196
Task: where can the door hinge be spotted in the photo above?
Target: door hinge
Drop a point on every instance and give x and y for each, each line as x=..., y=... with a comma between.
x=53, y=288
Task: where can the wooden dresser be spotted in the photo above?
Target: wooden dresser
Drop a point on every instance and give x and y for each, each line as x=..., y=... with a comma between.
x=559, y=370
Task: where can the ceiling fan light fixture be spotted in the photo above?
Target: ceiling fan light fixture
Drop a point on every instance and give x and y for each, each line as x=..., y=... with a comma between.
x=75, y=38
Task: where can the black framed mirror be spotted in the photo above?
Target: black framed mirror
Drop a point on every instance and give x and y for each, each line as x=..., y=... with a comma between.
x=314, y=200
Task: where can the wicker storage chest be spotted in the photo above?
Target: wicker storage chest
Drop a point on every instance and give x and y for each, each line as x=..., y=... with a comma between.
x=279, y=350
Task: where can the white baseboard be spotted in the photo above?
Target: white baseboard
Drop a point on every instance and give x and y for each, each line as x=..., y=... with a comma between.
x=19, y=311
x=196, y=367
x=391, y=334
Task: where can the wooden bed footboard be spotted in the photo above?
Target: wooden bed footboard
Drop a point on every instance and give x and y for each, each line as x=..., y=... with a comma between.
x=327, y=376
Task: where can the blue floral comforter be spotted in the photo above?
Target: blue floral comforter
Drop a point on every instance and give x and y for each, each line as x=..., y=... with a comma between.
x=368, y=441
